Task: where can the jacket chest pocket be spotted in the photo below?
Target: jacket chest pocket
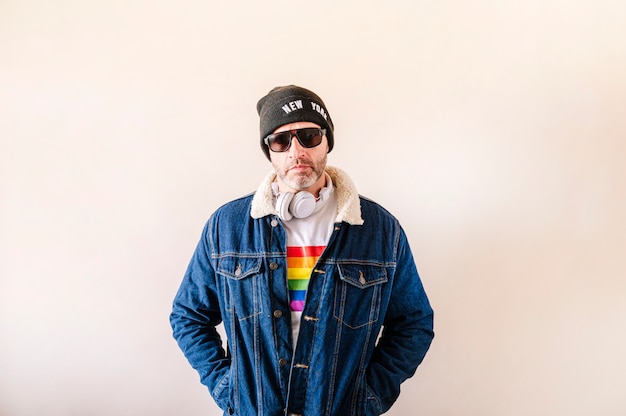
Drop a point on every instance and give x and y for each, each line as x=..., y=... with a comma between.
x=242, y=285
x=358, y=294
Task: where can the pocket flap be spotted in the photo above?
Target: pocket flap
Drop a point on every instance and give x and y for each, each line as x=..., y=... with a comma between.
x=362, y=275
x=238, y=268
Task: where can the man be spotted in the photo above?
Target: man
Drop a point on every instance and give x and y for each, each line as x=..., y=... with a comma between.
x=304, y=274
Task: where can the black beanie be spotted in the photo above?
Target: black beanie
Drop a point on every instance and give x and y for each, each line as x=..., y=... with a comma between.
x=290, y=104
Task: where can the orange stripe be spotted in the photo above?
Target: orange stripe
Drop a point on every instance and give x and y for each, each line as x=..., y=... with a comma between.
x=301, y=262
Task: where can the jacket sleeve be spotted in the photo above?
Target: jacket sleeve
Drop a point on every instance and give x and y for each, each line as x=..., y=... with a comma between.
x=407, y=331
x=195, y=314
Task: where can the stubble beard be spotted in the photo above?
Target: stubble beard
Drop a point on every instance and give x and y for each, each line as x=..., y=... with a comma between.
x=302, y=181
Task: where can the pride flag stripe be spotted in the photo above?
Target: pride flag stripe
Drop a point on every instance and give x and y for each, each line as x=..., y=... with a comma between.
x=297, y=305
x=298, y=285
x=300, y=263
x=306, y=251
x=299, y=274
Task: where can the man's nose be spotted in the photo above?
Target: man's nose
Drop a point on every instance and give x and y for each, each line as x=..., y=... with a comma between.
x=296, y=149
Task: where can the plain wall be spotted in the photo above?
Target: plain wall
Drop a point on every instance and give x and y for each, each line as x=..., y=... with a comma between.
x=494, y=131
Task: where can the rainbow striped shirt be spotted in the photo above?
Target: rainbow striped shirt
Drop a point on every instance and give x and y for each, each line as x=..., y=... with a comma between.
x=300, y=263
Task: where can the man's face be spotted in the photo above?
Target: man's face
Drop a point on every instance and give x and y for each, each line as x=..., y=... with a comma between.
x=300, y=168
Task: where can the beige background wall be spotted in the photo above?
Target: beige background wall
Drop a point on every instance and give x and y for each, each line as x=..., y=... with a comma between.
x=494, y=130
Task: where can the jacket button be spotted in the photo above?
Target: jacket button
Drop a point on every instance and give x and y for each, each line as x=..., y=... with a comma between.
x=277, y=313
x=282, y=362
x=274, y=223
x=273, y=266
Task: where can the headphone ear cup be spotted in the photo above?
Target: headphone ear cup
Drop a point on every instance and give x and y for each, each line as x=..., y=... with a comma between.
x=325, y=192
x=302, y=205
x=282, y=205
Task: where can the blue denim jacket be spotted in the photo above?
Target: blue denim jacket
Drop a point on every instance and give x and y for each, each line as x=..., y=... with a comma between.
x=364, y=282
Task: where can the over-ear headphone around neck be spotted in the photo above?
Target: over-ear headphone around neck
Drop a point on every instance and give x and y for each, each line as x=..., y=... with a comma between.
x=300, y=204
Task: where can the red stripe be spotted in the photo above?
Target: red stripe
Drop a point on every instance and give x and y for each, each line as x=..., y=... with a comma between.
x=308, y=251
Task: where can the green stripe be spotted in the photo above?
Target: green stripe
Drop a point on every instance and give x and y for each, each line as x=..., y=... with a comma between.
x=298, y=284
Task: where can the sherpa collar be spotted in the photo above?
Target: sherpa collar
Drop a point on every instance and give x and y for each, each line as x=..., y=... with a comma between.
x=348, y=204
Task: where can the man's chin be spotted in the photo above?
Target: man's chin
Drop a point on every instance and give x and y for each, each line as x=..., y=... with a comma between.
x=300, y=184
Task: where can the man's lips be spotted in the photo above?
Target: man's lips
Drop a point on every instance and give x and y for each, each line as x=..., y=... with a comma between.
x=298, y=168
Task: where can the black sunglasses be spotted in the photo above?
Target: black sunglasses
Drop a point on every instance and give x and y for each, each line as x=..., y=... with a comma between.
x=307, y=137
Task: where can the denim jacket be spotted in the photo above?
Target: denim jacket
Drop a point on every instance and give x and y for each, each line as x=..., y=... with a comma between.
x=366, y=325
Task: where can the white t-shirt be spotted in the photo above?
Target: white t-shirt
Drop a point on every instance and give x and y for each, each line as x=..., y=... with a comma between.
x=306, y=240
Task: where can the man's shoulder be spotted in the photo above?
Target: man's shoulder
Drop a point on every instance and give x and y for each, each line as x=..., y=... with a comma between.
x=237, y=207
x=371, y=207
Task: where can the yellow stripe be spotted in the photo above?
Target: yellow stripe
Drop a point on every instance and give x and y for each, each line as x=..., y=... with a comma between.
x=299, y=273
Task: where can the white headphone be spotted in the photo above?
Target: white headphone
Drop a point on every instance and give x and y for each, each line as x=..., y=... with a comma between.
x=300, y=204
